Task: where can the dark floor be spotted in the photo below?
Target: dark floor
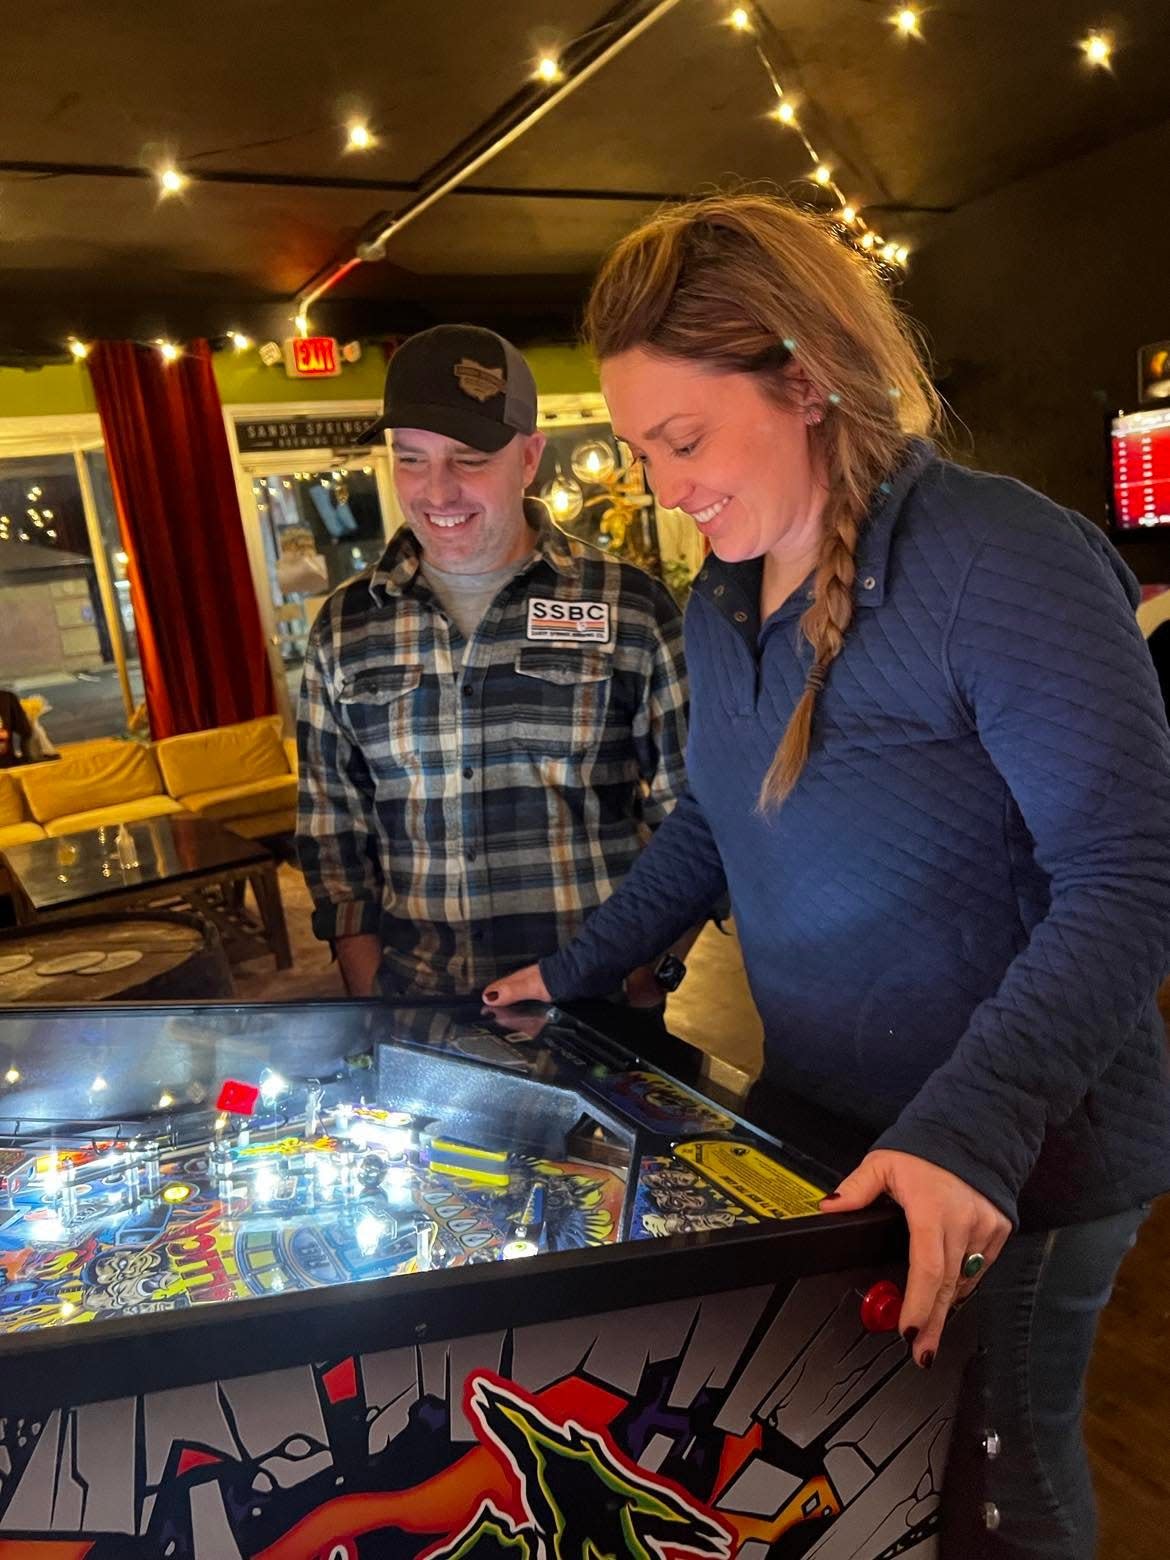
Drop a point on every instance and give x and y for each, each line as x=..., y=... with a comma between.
x=1128, y=1418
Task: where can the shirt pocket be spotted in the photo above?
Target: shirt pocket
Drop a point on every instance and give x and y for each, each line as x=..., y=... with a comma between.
x=561, y=700
x=382, y=710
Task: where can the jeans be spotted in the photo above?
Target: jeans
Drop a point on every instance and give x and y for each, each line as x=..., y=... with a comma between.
x=1036, y=1314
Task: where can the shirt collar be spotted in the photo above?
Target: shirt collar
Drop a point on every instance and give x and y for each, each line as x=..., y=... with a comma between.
x=877, y=534
x=396, y=570
x=734, y=588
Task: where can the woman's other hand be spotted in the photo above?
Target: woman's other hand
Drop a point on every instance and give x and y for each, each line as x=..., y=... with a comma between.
x=948, y=1220
x=522, y=986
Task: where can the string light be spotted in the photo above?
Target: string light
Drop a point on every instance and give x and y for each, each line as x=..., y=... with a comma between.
x=358, y=137
x=548, y=69
x=171, y=181
x=301, y=321
x=821, y=173
x=1098, y=50
x=907, y=20
x=239, y=340
x=78, y=348
x=169, y=351
x=740, y=19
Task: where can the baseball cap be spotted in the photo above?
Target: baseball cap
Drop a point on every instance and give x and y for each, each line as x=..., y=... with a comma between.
x=462, y=381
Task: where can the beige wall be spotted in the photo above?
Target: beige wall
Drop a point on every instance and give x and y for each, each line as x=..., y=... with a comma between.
x=45, y=628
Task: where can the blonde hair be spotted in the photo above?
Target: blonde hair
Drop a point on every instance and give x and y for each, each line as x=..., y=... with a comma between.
x=746, y=283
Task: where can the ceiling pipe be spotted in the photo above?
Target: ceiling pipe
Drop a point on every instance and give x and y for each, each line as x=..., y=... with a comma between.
x=440, y=182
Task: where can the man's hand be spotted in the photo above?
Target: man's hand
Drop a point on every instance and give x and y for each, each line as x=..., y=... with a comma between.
x=948, y=1221
x=522, y=986
x=359, y=957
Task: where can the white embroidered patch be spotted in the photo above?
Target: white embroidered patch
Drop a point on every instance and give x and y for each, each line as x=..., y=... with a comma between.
x=569, y=622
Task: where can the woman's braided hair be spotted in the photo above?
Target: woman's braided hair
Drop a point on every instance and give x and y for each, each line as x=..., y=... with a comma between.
x=748, y=283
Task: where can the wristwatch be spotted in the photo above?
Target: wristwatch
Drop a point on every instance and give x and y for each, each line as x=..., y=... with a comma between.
x=669, y=972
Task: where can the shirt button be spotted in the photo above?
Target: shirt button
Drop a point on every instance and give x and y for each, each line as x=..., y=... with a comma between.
x=703, y=574
x=868, y=582
x=470, y=855
x=468, y=691
x=741, y=617
x=719, y=589
x=468, y=772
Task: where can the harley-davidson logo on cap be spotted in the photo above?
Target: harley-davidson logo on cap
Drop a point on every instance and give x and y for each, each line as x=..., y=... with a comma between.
x=477, y=380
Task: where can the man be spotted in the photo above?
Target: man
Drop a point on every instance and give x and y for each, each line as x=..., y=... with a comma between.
x=492, y=718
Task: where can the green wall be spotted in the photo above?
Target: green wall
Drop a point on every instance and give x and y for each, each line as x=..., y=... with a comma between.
x=64, y=389
x=57, y=390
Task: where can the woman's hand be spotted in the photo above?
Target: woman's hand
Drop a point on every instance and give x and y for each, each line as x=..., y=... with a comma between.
x=521, y=986
x=948, y=1222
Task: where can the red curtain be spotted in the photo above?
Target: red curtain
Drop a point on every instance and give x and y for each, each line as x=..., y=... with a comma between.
x=200, y=639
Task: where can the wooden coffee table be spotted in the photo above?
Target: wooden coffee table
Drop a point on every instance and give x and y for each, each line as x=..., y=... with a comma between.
x=181, y=859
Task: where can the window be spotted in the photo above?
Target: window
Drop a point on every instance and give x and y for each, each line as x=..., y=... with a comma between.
x=60, y=638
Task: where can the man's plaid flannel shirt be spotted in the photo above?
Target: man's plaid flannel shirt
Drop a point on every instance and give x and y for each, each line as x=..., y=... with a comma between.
x=473, y=814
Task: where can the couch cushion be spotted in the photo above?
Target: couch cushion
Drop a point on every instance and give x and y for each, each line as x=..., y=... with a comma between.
x=98, y=777
x=120, y=812
x=20, y=834
x=242, y=801
x=225, y=756
x=258, y=826
x=12, y=808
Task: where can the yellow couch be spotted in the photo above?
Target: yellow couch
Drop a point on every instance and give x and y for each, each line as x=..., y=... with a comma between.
x=95, y=784
x=242, y=776
x=16, y=826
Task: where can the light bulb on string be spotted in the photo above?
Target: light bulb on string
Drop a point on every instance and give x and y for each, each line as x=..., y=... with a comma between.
x=848, y=215
x=239, y=340
x=889, y=252
x=169, y=351
x=902, y=255
x=822, y=174
x=785, y=112
x=1098, y=50
x=868, y=240
x=740, y=19
x=78, y=348
x=170, y=180
x=301, y=321
x=548, y=69
x=358, y=137
x=908, y=21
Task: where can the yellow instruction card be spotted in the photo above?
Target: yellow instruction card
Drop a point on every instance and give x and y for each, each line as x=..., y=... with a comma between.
x=758, y=1183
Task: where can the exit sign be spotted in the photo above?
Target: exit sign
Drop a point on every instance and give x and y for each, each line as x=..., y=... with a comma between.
x=312, y=357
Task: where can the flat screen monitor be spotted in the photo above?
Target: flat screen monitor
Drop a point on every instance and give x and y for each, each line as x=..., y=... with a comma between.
x=1140, y=456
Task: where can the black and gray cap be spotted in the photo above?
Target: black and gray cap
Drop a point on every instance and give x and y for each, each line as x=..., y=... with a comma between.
x=462, y=381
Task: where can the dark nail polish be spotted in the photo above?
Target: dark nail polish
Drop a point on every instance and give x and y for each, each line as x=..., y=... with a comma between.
x=492, y=996
x=910, y=1334
x=927, y=1359
x=831, y=1197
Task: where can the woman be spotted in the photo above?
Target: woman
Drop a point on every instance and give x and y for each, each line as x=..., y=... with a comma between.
x=928, y=758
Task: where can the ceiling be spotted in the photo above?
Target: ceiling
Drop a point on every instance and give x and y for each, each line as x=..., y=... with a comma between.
x=251, y=99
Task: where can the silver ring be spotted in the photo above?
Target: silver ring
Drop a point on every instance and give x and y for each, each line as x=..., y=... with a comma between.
x=973, y=1264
